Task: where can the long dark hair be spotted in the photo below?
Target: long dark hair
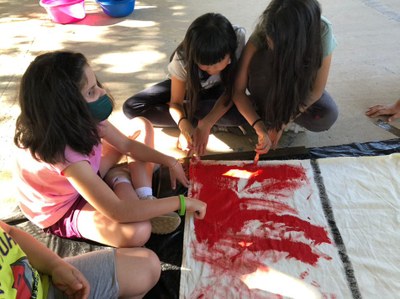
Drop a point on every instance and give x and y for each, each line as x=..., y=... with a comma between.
x=207, y=41
x=54, y=113
x=294, y=26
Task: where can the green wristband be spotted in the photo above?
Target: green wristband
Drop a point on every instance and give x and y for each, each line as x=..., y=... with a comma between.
x=182, y=200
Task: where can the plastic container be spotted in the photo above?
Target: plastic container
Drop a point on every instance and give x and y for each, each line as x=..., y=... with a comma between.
x=117, y=8
x=64, y=11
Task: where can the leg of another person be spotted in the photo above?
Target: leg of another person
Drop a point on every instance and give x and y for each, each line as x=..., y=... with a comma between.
x=94, y=225
x=124, y=273
x=207, y=101
x=141, y=175
x=152, y=103
x=141, y=172
x=320, y=116
x=138, y=270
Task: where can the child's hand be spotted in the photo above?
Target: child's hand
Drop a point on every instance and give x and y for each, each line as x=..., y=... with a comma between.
x=196, y=206
x=176, y=172
x=264, y=143
x=275, y=136
x=200, y=139
x=393, y=111
x=185, y=141
x=69, y=280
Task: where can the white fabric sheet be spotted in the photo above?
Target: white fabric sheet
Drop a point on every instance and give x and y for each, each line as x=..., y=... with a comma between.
x=357, y=204
x=365, y=197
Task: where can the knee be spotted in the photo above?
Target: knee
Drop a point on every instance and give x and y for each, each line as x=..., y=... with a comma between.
x=144, y=263
x=325, y=122
x=319, y=117
x=138, y=128
x=150, y=273
x=130, y=107
x=134, y=234
x=143, y=232
x=154, y=270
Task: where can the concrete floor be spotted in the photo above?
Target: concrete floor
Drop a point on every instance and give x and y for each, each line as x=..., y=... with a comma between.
x=129, y=54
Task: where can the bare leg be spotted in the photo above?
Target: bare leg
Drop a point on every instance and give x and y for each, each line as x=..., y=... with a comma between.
x=95, y=226
x=141, y=172
x=138, y=270
x=109, y=157
x=123, y=272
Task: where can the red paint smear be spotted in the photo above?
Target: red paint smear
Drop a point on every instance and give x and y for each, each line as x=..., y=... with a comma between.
x=226, y=214
x=232, y=253
x=275, y=206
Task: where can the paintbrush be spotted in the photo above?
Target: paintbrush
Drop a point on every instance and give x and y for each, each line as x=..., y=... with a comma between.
x=256, y=158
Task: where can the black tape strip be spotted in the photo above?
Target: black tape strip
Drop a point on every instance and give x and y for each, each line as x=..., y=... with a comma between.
x=329, y=215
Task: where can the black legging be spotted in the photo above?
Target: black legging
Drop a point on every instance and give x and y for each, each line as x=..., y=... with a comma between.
x=152, y=103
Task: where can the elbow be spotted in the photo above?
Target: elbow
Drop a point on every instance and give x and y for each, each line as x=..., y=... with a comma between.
x=235, y=96
x=238, y=94
x=118, y=215
x=175, y=105
x=121, y=216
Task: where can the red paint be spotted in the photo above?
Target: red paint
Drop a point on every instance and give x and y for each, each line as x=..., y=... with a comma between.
x=304, y=274
x=281, y=232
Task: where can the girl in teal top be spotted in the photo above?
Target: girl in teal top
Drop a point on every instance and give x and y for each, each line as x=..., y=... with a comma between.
x=283, y=72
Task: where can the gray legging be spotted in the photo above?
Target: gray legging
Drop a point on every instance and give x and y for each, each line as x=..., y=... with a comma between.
x=318, y=117
x=98, y=267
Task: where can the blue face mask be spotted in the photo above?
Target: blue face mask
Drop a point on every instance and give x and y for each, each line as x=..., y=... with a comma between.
x=101, y=108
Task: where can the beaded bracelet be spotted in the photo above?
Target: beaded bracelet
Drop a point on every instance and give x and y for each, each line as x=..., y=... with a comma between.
x=182, y=200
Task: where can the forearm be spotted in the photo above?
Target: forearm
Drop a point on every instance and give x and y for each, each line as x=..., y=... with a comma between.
x=141, y=152
x=219, y=109
x=121, y=203
x=39, y=256
x=178, y=91
x=319, y=83
x=142, y=210
x=123, y=209
x=314, y=96
x=177, y=111
x=245, y=107
x=240, y=98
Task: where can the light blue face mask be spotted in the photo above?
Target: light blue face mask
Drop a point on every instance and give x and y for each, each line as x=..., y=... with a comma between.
x=101, y=108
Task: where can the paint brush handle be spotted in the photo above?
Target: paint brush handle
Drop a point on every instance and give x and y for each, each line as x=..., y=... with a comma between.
x=256, y=158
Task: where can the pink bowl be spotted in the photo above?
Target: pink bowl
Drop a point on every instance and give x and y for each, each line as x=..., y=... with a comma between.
x=64, y=11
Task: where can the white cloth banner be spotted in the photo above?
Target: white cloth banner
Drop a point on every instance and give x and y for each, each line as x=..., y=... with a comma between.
x=365, y=197
x=294, y=229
